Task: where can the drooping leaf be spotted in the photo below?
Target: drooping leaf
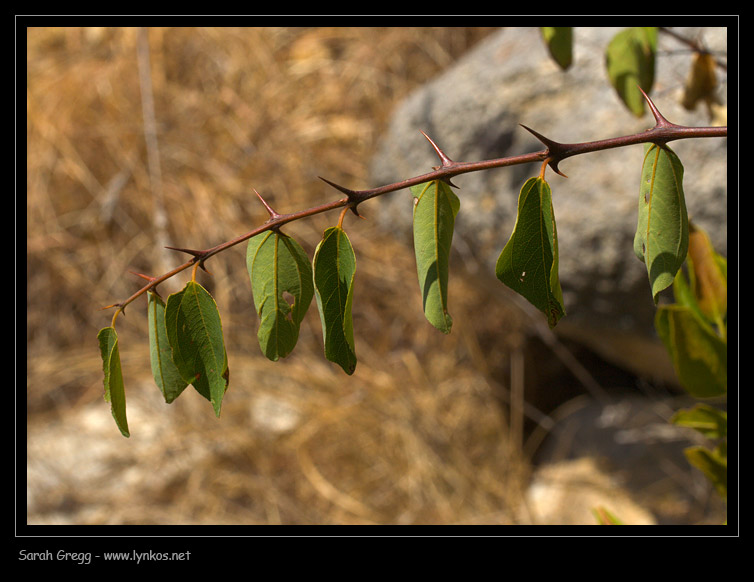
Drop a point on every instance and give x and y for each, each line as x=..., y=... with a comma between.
x=281, y=283
x=630, y=61
x=435, y=209
x=701, y=83
x=709, y=421
x=708, y=272
x=334, y=269
x=559, y=41
x=528, y=263
x=195, y=333
x=662, y=233
x=115, y=392
x=166, y=375
x=699, y=356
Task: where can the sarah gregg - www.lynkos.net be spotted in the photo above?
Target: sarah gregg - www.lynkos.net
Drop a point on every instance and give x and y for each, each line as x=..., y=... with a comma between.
x=84, y=558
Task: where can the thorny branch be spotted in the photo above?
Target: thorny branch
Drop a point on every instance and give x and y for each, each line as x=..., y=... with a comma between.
x=662, y=133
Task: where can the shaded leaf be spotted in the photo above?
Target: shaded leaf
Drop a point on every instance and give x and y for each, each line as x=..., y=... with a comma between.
x=115, y=392
x=281, y=283
x=435, y=209
x=166, y=375
x=713, y=463
x=528, y=263
x=708, y=272
x=630, y=61
x=699, y=356
x=662, y=232
x=559, y=41
x=334, y=269
x=709, y=421
x=195, y=334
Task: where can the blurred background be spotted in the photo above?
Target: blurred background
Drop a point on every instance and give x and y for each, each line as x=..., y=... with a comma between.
x=142, y=138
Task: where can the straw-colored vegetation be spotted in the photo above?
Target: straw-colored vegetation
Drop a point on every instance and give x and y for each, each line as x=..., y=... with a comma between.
x=417, y=435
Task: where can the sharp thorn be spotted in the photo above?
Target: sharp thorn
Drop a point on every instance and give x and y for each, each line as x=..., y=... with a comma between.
x=346, y=191
x=272, y=213
x=194, y=253
x=659, y=118
x=444, y=159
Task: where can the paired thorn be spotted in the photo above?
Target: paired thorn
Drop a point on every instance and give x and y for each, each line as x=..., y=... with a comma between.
x=353, y=195
x=555, y=150
x=199, y=256
x=445, y=161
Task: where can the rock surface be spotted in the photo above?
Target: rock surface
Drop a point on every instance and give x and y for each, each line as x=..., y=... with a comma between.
x=473, y=112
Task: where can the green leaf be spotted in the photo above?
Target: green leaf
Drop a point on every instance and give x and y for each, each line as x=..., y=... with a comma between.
x=166, y=375
x=334, y=270
x=699, y=356
x=559, y=41
x=529, y=262
x=713, y=463
x=195, y=334
x=630, y=61
x=281, y=283
x=662, y=232
x=709, y=421
x=435, y=209
x=115, y=392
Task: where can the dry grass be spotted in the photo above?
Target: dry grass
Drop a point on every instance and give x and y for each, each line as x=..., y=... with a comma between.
x=415, y=436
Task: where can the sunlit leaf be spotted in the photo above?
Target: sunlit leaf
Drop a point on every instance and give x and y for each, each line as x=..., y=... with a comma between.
x=334, y=270
x=528, y=263
x=115, y=392
x=662, y=232
x=195, y=334
x=435, y=209
x=281, y=283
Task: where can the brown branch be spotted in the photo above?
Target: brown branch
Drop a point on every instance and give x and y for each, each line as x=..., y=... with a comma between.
x=555, y=152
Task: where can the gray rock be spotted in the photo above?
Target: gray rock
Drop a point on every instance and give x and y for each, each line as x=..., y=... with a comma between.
x=473, y=112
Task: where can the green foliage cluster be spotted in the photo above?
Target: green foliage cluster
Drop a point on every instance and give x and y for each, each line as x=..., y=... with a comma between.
x=185, y=332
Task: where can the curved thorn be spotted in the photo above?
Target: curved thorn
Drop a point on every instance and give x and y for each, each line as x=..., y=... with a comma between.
x=659, y=118
x=356, y=212
x=554, y=166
